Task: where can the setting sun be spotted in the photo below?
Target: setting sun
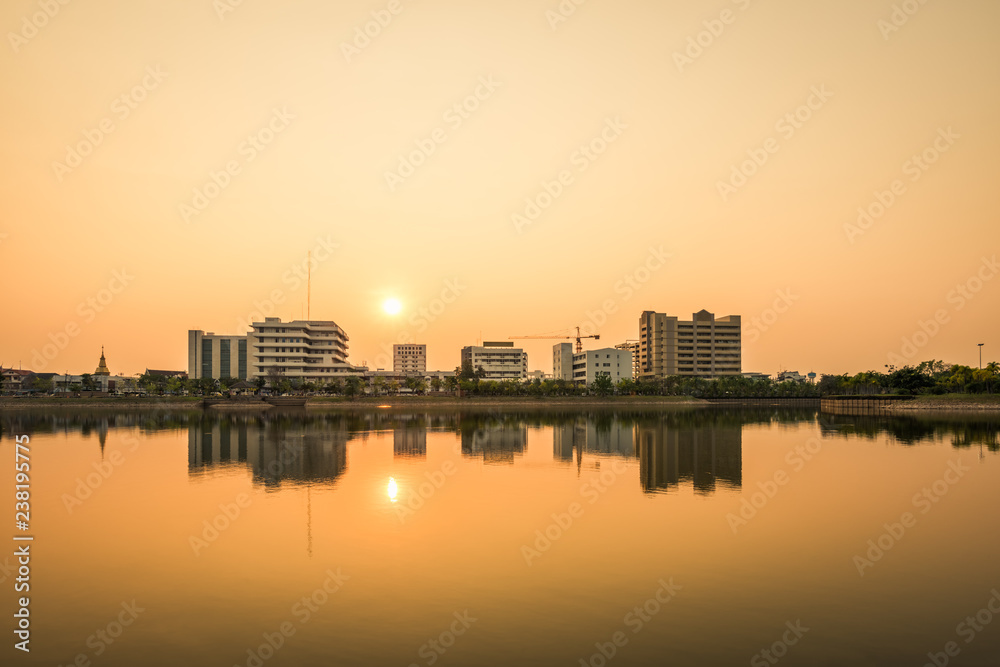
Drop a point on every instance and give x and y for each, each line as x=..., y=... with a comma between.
x=392, y=306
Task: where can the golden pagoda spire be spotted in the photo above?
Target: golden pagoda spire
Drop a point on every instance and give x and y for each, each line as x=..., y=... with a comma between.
x=102, y=368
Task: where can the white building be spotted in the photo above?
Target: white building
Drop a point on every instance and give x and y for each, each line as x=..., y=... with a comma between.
x=633, y=346
x=314, y=350
x=112, y=384
x=562, y=361
x=500, y=360
x=589, y=364
x=409, y=359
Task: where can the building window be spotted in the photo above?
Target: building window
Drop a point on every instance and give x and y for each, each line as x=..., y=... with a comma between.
x=225, y=359
x=206, y=357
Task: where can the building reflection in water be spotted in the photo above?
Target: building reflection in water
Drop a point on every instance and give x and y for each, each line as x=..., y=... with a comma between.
x=593, y=435
x=409, y=441
x=275, y=450
x=494, y=442
x=705, y=456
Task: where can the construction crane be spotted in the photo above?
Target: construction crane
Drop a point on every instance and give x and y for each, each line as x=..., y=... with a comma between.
x=555, y=336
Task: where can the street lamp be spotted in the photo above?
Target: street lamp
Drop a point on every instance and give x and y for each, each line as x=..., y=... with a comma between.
x=980, y=356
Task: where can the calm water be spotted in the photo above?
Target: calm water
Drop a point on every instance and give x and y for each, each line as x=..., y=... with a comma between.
x=689, y=537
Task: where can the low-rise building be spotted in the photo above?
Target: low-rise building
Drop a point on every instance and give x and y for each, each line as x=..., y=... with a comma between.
x=307, y=350
x=499, y=360
x=588, y=365
x=794, y=376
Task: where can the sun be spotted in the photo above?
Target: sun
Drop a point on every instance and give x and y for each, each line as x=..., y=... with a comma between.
x=392, y=306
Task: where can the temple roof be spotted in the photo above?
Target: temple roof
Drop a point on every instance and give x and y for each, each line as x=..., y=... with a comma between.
x=102, y=368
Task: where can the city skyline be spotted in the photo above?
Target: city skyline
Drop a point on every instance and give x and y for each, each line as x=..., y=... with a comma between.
x=649, y=159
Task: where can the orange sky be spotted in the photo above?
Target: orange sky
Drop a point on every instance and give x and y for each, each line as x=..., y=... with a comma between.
x=169, y=93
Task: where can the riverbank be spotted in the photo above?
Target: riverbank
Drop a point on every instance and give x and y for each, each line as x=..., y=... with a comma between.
x=950, y=403
x=944, y=402
x=366, y=403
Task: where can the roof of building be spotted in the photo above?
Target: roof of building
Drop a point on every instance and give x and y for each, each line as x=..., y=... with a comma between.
x=156, y=373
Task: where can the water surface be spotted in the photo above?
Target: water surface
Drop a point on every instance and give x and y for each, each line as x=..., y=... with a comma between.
x=692, y=537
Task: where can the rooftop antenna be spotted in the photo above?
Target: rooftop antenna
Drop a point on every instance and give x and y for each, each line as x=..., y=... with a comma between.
x=309, y=274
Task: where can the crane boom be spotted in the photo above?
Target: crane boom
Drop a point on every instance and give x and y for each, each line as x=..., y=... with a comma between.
x=578, y=337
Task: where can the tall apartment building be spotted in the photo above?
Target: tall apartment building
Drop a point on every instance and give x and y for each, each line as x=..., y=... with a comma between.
x=409, y=359
x=500, y=360
x=633, y=347
x=214, y=356
x=704, y=346
x=306, y=350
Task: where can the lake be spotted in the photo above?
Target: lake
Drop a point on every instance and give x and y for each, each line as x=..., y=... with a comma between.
x=546, y=537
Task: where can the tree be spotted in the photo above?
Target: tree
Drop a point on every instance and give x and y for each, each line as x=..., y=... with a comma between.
x=207, y=385
x=378, y=385
x=436, y=384
x=352, y=386
x=465, y=371
x=626, y=386
x=89, y=384
x=40, y=385
x=259, y=382
x=602, y=385
x=274, y=376
x=175, y=385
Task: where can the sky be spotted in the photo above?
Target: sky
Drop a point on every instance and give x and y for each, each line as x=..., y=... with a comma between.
x=827, y=171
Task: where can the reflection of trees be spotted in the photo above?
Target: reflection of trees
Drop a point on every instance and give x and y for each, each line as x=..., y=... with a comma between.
x=962, y=429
